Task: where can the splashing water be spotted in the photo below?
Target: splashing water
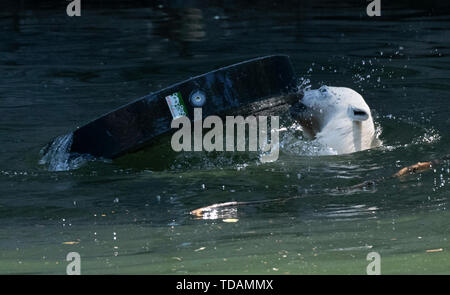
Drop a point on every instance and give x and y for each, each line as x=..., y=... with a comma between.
x=57, y=156
x=303, y=85
x=293, y=142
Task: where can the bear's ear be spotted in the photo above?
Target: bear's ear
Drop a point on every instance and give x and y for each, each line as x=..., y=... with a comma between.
x=357, y=114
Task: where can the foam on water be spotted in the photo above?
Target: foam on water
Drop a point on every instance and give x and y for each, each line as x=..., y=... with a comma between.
x=57, y=156
x=293, y=142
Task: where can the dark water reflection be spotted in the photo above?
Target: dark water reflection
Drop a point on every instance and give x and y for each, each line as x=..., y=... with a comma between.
x=129, y=215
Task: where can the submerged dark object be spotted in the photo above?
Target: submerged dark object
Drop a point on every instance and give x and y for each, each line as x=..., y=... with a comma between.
x=225, y=90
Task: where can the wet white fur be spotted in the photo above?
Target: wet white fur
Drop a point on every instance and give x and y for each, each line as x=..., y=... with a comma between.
x=338, y=127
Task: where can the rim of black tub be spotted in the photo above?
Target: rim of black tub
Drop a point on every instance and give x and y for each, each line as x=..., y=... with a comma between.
x=136, y=124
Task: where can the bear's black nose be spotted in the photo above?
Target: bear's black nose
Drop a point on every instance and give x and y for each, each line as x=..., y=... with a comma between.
x=297, y=109
x=293, y=98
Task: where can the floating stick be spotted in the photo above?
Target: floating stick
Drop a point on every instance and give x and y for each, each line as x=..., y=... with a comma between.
x=416, y=168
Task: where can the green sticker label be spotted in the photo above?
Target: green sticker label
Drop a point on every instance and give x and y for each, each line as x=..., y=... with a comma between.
x=176, y=105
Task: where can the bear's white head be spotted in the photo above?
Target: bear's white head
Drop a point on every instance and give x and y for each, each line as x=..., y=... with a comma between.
x=338, y=118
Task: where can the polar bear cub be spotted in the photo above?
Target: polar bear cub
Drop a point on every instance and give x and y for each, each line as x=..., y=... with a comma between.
x=338, y=118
